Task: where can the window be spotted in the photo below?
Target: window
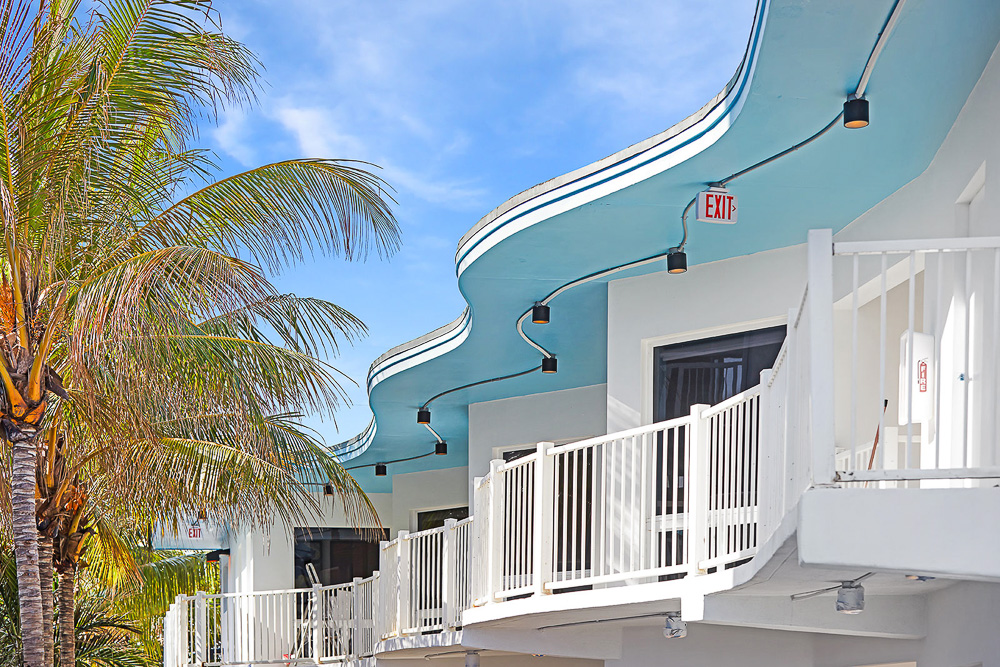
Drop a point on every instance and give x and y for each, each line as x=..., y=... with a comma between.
x=710, y=370
x=435, y=518
x=338, y=554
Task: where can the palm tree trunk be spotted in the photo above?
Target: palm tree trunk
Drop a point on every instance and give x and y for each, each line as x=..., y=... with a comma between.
x=67, y=614
x=45, y=579
x=25, y=530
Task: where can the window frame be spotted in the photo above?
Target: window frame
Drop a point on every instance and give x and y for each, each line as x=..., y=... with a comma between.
x=648, y=345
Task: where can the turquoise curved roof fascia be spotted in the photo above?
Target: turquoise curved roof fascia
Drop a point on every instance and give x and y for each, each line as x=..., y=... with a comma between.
x=803, y=58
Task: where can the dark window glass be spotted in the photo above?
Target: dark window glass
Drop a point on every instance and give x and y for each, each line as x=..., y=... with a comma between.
x=338, y=554
x=710, y=370
x=435, y=518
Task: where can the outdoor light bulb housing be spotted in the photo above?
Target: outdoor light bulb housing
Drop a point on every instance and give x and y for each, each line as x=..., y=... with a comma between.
x=441, y=448
x=328, y=489
x=549, y=365
x=851, y=598
x=539, y=313
x=677, y=261
x=675, y=628
x=423, y=416
x=381, y=470
x=202, y=515
x=856, y=113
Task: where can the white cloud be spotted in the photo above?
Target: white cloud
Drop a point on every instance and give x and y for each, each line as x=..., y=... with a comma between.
x=318, y=134
x=231, y=137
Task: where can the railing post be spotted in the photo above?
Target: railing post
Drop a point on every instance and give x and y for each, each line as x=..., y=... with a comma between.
x=183, y=630
x=403, y=583
x=448, y=570
x=356, y=631
x=542, y=520
x=765, y=460
x=376, y=607
x=200, y=628
x=316, y=603
x=494, y=531
x=386, y=599
x=697, y=510
x=820, y=297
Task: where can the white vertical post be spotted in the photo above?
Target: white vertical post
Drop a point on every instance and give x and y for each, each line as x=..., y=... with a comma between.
x=403, y=582
x=821, y=375
x=315, y=601
x=698, y=483
x=494, y=532
x=183, y=628
x=448, y=569
x=377, y=606
x=542, y=523
x=200, y=628
x=765, y=454
x=356, y=631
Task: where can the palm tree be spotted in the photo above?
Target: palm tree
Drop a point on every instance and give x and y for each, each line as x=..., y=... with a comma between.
x=134, y=300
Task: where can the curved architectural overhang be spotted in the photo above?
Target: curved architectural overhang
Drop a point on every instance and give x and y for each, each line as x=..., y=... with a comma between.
x=802, y=59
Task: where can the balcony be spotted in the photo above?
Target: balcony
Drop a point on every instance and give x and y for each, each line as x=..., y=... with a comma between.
x=684, y=505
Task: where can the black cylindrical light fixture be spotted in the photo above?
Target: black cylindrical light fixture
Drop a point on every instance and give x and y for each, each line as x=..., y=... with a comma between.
x=677, y=261
x=328, y=489
x=856, y=113
x=381, y=470
x=539, y=313
x=423, y=416
x=549, y=364
x=441, y=448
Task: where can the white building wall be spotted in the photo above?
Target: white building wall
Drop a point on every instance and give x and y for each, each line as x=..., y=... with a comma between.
x=524, y=421
x=709, y=300
x=264, y=560
x=428, y=490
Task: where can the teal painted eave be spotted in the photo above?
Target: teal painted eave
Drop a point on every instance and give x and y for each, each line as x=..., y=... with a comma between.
x=807, y=56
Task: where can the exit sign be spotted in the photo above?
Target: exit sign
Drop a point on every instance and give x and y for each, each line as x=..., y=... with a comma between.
x=716, y=205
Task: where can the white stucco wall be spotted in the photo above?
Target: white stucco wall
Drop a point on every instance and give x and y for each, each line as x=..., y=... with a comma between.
x=263, y=560
x=555, y=416
x=428, y=490
x=701, y=303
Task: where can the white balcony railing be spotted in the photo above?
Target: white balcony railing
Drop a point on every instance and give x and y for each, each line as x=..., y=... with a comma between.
x=686, y=497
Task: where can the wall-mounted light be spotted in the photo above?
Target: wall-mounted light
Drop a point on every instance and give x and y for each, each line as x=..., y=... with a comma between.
x=381, y=470
x=549, y=365
x=677, y=261
x=202, y=515
x=539, y=313
x=674, y=627
x=329, y=490
x=855, y=112
x=851, y=598
x=441, y=448
x=423, y=416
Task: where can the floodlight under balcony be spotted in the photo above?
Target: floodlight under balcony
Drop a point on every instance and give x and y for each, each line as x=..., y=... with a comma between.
x=381, y=470
x=539, y=313
x=851, y=598
x=674, y=627
x=549, y=365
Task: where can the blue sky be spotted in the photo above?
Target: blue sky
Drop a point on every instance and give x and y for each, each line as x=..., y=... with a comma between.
x=463, y=104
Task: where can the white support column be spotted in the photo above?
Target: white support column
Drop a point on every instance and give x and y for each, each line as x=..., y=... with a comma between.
x=183, y=628
x=494, y=532
x=316, y=604
x=356, y=628
x=376, y=607
x=542, y=519
x=697, y=509
x=820, y=297
x=448, y=569
x=403, y=582
x=200, y=628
